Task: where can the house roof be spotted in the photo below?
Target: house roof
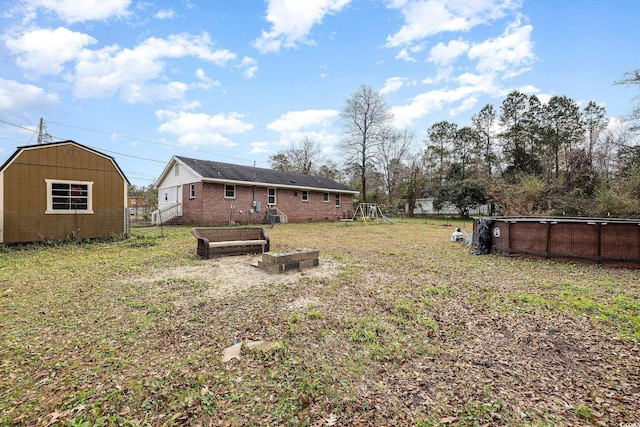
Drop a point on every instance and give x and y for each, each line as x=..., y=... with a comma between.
x=68, y=142
x=229, y=173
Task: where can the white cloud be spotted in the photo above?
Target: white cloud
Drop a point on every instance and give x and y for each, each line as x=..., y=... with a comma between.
x=393, y=84
x=136, y=75
x=115, y=71
x=250, y=67
x=424, y=18
x=259, y=147
x=200, y=129
x=205, y=82
x=466, y=105
x=147, y=93
x=485, y=83
x=292, y=20
x=444, y=54
x=425, y=103
x=72, y=11
x=296, y=120
x=315, y=125
x=165, y=14
x=404, y=55
x=15, y=96
x=45, y=51
x=325, y=139
x=509, y=53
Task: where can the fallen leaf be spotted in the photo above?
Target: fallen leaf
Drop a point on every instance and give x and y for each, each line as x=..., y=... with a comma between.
x=331, y=420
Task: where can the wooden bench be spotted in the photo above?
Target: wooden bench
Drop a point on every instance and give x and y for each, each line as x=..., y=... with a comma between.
x=230, y=241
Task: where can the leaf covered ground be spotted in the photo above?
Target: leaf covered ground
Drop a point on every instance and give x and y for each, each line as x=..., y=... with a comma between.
x=408, y=329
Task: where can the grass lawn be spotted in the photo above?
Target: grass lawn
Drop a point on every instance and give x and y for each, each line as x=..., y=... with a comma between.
x=410, y=329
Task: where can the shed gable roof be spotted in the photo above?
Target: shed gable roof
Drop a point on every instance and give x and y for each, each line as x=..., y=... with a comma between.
x=19, y=150
x=216, y=171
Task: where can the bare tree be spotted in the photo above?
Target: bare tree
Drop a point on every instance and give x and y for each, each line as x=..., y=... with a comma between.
x=394, y=148
x=632, y=78
x=306, y=156
x=415, y=180
x=280, y=162
x=303, y=158
x=366, y=117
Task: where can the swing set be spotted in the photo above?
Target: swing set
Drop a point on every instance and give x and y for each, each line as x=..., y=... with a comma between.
x=370, y=212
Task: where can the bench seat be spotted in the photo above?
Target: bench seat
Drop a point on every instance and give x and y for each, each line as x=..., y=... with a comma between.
x=216, y=241
x=237, y=243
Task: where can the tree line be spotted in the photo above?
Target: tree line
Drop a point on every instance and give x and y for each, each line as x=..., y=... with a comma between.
x=522, y=157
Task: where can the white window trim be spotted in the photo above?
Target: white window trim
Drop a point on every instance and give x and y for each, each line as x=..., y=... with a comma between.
x=50, y=210
x=225, y=191
x=192, y=191
x=338, y=199
x=275, y=196
x=326, y=197
x=302, y=196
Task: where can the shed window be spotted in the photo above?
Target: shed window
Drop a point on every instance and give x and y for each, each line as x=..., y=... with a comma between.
x=337, y=200
x=271, y=196
x=305, y=196
x=325, y=197
x=192, y=191
x=229, y=191
x=69, y=197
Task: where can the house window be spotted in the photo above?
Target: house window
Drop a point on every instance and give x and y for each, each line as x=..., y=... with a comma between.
x=229, y=191
x=305, y=196
x=272, y=196
x=177, y=169
x=325, y=197
x=337, y=200
x=69, y=197
x=192, y=191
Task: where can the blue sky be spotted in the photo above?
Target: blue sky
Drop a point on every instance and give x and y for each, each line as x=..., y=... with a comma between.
x=237, y=81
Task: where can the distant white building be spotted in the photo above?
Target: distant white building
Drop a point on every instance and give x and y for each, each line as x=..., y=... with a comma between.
x=425, y=207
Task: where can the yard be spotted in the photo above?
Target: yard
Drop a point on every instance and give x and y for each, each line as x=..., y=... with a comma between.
x=397, y=326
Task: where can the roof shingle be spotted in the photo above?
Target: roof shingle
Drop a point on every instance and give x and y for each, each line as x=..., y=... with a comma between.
x=226, y=171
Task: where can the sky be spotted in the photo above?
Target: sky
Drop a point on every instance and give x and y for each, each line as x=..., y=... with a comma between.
x=237, y=81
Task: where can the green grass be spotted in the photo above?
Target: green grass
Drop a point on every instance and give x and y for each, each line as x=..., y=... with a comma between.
x=409, y=330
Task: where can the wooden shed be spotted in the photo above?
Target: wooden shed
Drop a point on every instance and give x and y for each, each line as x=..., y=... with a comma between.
x=61, y=190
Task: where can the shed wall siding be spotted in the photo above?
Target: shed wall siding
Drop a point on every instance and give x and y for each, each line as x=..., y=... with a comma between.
x=25, y=195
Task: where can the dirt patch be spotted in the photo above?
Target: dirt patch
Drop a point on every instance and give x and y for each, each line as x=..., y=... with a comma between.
x=232, y=274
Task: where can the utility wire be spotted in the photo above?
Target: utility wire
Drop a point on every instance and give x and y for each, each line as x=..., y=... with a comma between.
x=145, y=140
x=18, y=126
x=35, y=131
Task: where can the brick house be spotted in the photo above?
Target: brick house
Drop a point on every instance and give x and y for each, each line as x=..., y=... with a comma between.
x=207, y=193
x=137, y=205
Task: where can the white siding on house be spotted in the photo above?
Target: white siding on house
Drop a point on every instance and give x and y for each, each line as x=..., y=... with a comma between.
x=425, y=206
x=170, y=189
